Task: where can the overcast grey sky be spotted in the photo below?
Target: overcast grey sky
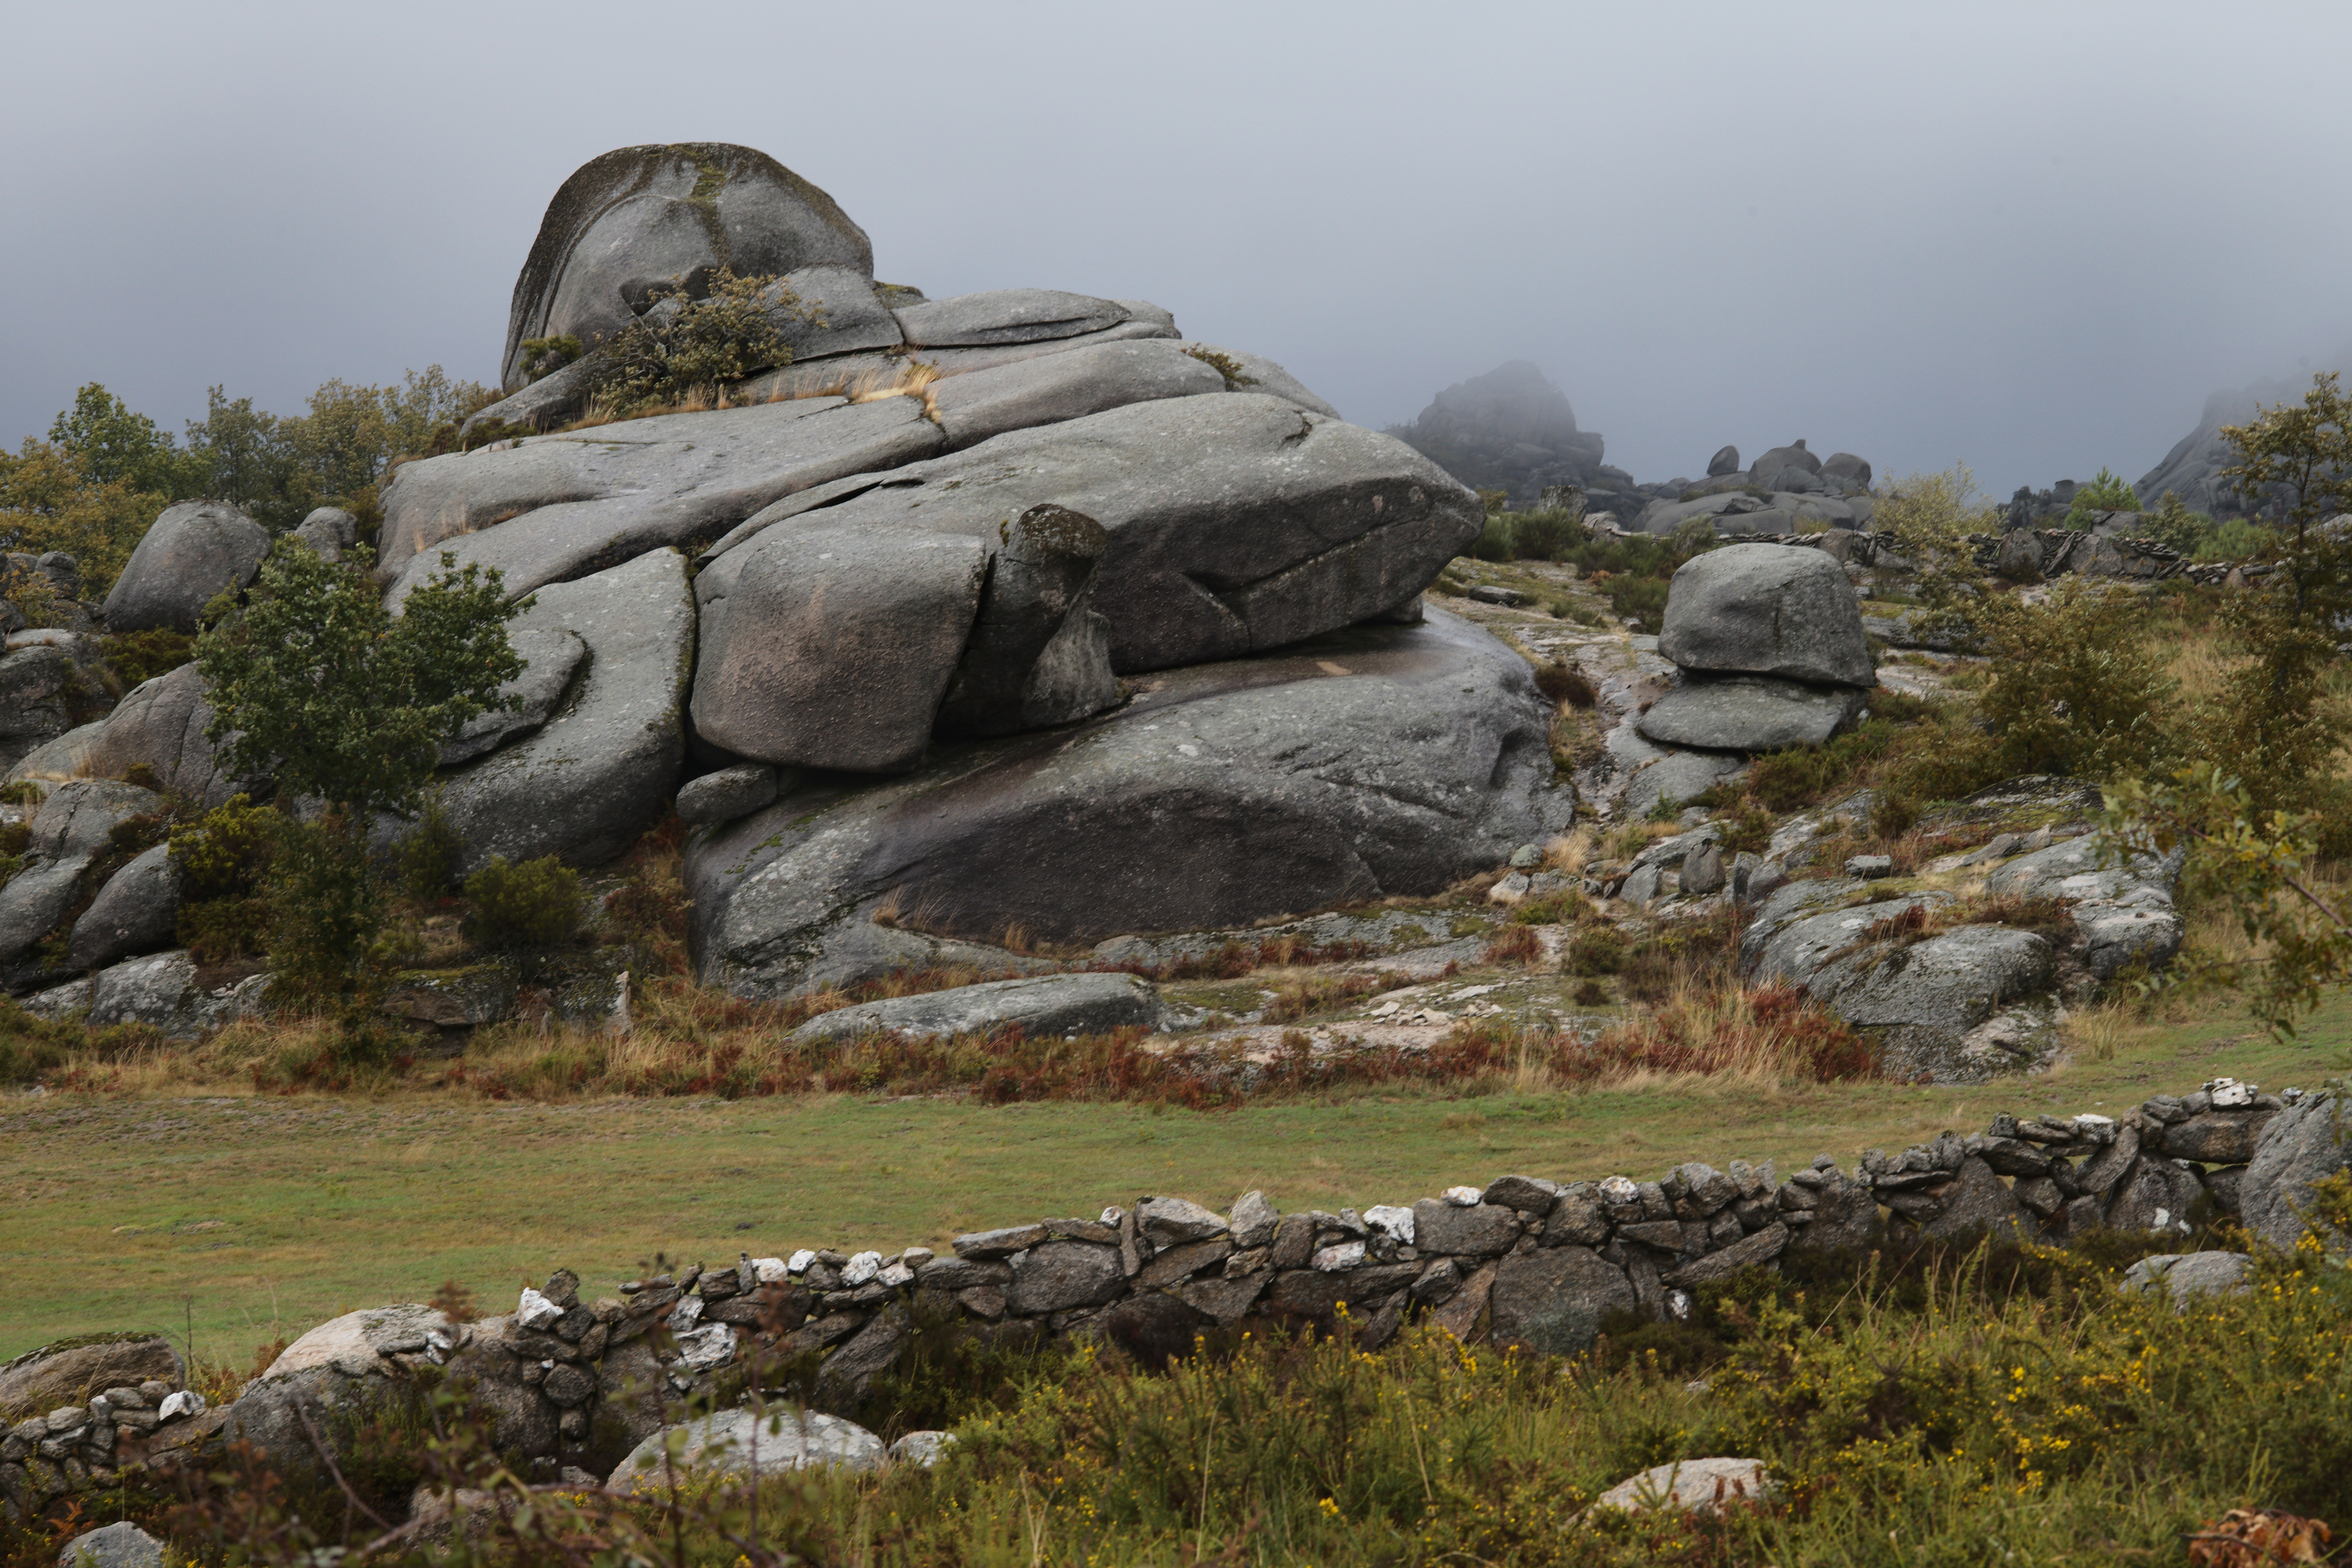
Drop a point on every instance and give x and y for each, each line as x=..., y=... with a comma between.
x=2033, y=236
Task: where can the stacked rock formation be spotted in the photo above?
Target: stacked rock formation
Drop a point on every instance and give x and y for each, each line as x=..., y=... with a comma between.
x=1011, y=609
x=1771, y=649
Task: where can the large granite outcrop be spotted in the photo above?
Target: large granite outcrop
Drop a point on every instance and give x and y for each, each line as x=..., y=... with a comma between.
x=187, y=556
x=1366, y=763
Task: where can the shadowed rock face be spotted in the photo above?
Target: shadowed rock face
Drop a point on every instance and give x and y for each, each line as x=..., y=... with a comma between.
x=641, y=216
x=1372, y=762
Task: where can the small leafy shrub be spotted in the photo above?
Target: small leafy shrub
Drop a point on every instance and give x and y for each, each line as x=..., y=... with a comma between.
x=2175, y=527
x=682, y=345
x=142, y=775
x=1542, y=535
x=1512, y=943
x=2078, y=687
x=1570, y=610
x=1494, y=501
x=1563, y=908
x=518, y=909
x=1224, y=364
x=2239, y=538
x=1747, y=826
x=140, y=656
x=1493, y=541
x=1597, y=951
x=1892, y=813
x=224, y=856
x=542, y=357
x=429, y=854
x=1563, y=682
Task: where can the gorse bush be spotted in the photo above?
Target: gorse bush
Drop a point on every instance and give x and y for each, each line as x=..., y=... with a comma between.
x=519, y=909
x=2077, y=687
x=430, y=853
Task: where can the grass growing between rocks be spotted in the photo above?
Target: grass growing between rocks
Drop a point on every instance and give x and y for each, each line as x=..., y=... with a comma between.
x=252, y=1215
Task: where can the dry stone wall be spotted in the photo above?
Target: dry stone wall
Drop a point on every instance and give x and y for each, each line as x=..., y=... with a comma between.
x=1523, y=1261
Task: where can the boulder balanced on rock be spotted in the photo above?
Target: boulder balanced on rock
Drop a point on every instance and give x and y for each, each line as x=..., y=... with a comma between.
x=1771, y=647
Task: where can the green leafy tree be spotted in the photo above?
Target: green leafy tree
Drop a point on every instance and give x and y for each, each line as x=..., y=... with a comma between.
x=1934, y=518
x=49, y=499
x=2275, y=720
x=2257, y=864
x=117, y=445
x=2175, y=527
x=2108, y=492
x=244, y=459
x=347, y=705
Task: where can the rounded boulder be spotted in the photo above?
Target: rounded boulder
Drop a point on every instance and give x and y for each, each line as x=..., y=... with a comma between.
x=193, y=551
x=1767, y=609
x=640, y=217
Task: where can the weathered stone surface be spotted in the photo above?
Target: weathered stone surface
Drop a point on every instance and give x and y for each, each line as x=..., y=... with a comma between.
x=37, y=698
x=1237, y=523
x=1039, y=654
x=356, y=1343
x=453, y=998
x=745, y=1443
x=136, y=911
x=1052, y=388
x=1480, y=1231
x=851, y=1370
x=45, y=1379
x=1006, y=316
x=1767, y=609
x=1040, y=1006
x=1698, y=1486
x=1975, y=1202
x=194, y=551
x=1262, y=375
x=1927, y=1001
x=726, y=794
x=1316, y=1295
x=2214, y=1137
x=822, y=312
x=2157, y=1195
x=551, y=656
x=1552, y=1301
x=2306, y=1143
x=119, y=1545
x=602, y=767
x=1749, y=1252
x=637, y=218
x=1751, y=713
x=831, y=647
x=161, y=991
x=1059, y=1275
x=1845, y=1218
x=550, y=508
x=68, y=835
x=1378, y=760
x=328, y=531
x=2122, y=911
x=161, y=724
x=1172, y=1222
x=1225, y=1299
x=2186, y=1275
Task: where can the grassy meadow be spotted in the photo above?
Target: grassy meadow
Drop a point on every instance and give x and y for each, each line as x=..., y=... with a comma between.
x=241, y=1218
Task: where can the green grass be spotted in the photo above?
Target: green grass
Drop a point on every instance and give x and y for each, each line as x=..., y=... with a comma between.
x=252, y=1217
